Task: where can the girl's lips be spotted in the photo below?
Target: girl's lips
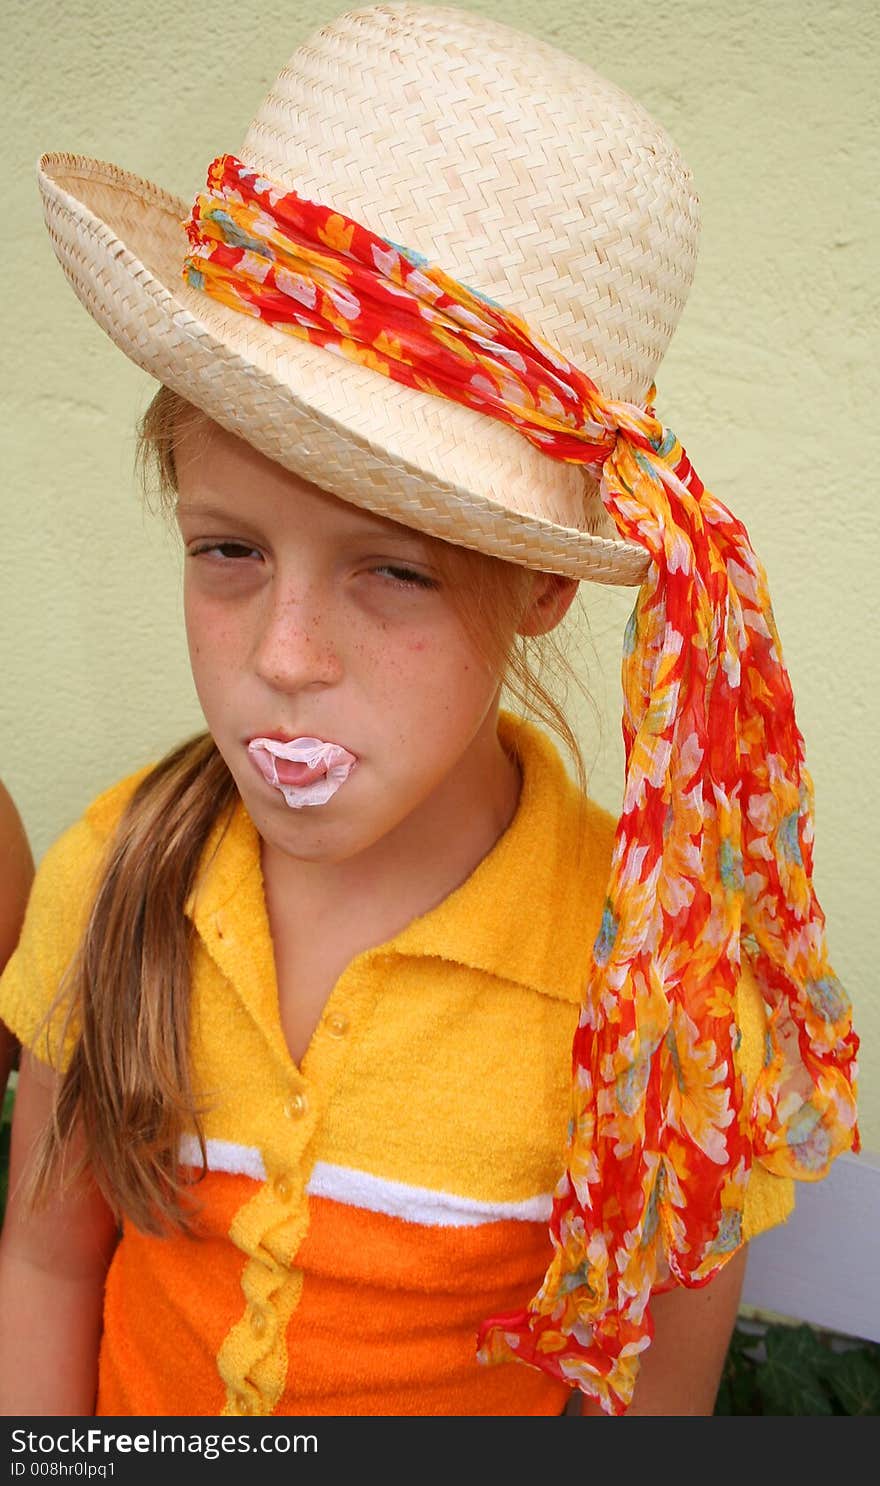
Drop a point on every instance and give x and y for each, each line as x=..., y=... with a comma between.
x=307, y=771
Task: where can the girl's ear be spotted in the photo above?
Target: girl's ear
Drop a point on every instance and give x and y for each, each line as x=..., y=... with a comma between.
x=550, y=599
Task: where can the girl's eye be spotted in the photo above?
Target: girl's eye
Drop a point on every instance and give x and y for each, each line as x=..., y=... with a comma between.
x=406, y=578
x=231, y=551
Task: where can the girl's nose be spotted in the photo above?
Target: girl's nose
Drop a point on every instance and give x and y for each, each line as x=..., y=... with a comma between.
x=296, y=645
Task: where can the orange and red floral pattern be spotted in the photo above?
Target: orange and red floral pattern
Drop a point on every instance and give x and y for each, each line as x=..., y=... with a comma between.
x=714, y=848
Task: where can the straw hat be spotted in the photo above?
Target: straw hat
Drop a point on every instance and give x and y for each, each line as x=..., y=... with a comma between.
x=512, y=165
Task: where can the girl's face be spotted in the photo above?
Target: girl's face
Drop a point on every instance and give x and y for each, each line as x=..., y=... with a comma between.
x=309, y=617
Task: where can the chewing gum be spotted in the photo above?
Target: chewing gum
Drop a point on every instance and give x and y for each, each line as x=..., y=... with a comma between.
x=332, y=757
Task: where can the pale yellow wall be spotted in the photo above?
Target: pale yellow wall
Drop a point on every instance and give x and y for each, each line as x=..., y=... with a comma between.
x=770, y=381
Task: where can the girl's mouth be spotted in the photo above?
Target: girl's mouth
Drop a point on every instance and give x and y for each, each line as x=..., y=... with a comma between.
x=306, y=771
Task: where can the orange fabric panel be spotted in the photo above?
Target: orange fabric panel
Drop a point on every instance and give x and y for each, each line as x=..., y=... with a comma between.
x=387, y=1323
x=388, y=1319
x=169, y=1303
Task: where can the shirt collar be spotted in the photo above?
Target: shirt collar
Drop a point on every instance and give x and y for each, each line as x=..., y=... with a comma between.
x=528, y=912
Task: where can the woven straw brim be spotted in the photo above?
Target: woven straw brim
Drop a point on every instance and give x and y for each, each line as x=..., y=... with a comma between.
x=414, y=458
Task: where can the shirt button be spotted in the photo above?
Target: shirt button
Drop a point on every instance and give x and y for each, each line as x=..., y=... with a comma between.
x=296, y=1106
x=283, y=1188
x=258, y=1321
x=337, y=1025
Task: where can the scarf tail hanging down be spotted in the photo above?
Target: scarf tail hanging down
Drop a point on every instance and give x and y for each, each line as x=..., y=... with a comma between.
x=712, y=856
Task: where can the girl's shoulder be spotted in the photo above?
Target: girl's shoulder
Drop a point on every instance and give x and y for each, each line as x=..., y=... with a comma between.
x=75, y=853
x=105, y=811
x=76, y=850
x=56, y=914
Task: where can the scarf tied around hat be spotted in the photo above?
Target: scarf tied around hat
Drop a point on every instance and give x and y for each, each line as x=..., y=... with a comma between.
x=713, y=851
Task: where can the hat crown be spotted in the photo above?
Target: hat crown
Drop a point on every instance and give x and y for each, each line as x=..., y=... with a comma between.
x=512, y=165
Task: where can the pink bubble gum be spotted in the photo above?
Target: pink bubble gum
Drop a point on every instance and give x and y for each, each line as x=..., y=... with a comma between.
x=334, y=762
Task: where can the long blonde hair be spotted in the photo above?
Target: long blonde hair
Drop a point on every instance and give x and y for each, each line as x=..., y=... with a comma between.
x=128, y=1082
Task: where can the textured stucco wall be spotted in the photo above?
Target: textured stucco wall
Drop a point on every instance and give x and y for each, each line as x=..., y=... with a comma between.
x=769, y=381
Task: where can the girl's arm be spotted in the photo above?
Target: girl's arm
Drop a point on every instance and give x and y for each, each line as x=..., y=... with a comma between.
x=10, y=1051
x=681, y=1370
x=52, y=1269
x=16, y=875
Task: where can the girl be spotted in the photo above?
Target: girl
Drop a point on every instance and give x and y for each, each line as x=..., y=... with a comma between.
x=309, y=1002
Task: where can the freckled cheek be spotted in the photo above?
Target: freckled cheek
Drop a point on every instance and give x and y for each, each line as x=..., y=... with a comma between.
x=413, y=653
x=214, y=639
x=413, y=672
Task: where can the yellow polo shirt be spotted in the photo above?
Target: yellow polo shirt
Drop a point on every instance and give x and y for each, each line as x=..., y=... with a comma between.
x=362, y=1213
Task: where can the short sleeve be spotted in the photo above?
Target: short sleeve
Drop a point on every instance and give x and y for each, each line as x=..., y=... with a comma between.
x=769, y=1198
x=58, y=908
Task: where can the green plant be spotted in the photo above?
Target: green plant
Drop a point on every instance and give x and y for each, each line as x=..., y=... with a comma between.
x=775, y=1368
